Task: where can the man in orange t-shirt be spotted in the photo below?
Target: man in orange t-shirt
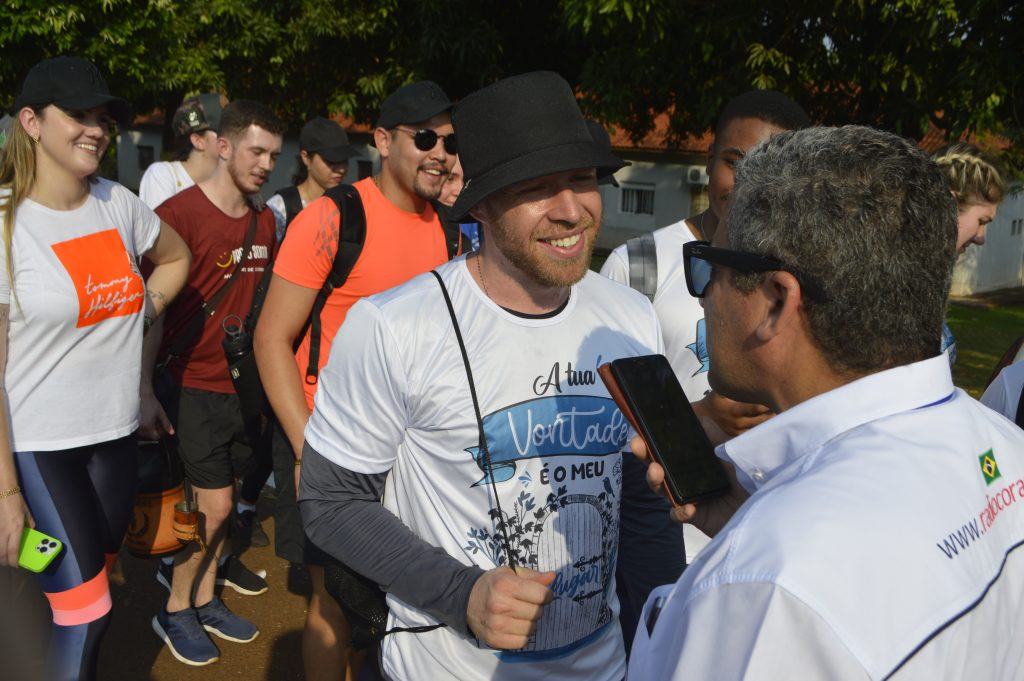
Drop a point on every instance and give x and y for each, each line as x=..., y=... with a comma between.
x=404, y=238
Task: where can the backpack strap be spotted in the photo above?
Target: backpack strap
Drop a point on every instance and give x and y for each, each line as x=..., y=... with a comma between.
x=292, y=203
x=351, y=236
x=1019, y=420
x=643, y=264
x=452, y=230
x=190, y=332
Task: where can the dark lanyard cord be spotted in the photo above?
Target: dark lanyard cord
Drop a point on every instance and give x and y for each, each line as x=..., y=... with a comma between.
x=479, y=422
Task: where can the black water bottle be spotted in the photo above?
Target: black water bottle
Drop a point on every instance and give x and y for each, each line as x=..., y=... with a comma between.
x=237, y=345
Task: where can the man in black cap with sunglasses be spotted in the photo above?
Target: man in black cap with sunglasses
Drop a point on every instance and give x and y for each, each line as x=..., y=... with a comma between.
x=403, y=238
x=875, y=524
x=474, y=407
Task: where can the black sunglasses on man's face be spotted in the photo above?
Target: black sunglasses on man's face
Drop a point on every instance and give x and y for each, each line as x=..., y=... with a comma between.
x=425, y=139
x=700, y=256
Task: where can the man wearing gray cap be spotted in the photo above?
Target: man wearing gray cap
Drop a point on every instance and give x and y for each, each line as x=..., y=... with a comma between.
x=498, y=532
x=307, y=301
x=195, y=125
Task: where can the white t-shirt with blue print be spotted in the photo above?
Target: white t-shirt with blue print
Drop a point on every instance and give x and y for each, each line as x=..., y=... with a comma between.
x=680, y=314
x=682, y=324
x=394, y=397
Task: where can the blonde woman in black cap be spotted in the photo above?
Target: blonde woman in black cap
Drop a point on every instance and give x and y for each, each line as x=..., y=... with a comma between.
x=73, y=310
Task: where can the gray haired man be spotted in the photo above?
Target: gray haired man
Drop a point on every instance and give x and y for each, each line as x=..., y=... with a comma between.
x=882, y=533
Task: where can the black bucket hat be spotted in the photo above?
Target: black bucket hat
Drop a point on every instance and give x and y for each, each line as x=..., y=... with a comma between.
x=600, y=136
x=518, y=129
x=73, y=84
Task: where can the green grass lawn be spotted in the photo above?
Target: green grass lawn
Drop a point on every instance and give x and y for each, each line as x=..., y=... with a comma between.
x=982, y=336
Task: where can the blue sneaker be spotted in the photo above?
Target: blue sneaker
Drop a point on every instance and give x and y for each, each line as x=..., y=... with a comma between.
x=219, y=621
x=185, y=638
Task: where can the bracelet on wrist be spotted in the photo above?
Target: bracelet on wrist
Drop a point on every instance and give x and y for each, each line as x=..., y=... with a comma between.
x=11, y=492
x=298, y=462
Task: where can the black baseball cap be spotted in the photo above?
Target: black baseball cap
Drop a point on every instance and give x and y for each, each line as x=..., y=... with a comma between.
x=325, y=137
x=73, y=84
x=413, y=103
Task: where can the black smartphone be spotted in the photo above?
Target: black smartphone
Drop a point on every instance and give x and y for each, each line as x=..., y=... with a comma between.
x=648, y=393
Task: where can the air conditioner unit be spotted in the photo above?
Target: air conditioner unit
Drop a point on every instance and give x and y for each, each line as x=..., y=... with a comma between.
x=696, y=175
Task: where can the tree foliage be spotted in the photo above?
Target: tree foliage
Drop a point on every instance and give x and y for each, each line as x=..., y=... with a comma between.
x=895, y=64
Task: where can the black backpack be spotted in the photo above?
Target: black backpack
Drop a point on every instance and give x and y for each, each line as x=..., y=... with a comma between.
x=352, y=235
x=292, y=203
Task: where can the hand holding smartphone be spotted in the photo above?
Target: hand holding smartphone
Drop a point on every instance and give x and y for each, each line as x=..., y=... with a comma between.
x=37, y=550
x=649, y=395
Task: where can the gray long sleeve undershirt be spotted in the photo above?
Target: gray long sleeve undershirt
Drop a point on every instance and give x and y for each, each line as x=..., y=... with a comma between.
x=342, y=514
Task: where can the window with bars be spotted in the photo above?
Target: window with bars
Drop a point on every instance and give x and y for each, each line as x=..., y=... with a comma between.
x=636, y=199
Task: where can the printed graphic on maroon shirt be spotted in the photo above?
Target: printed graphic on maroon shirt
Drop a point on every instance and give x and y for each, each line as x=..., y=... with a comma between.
x=104, y=274
x=215, y=240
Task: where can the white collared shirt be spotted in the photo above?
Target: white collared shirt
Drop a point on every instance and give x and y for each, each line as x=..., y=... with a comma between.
x=880, y=542
x=1004, y=393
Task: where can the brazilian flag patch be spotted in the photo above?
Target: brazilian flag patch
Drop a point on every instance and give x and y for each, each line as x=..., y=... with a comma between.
x=989, y=467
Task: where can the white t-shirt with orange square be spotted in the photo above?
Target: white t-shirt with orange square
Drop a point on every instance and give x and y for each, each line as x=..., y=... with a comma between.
x=74, y=340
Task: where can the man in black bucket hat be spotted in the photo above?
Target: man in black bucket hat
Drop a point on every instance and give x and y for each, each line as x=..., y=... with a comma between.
x=498, y=532
x=312, y=289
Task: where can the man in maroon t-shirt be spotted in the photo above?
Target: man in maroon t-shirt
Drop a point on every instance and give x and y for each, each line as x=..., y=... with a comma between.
x=213, y=218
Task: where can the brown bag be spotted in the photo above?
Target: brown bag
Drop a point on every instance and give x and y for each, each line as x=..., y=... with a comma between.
x=151, y=532
x=161, y=487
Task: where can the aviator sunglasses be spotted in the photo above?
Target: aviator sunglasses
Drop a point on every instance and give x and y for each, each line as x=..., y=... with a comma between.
x=425, y=139
x=700, y=256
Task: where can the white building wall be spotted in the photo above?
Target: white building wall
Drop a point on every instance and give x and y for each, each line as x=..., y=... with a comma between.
x=129, y=142
x=999, y=263
x=673, y=199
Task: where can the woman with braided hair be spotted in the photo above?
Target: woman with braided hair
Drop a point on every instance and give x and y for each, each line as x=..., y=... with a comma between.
x=977, y=183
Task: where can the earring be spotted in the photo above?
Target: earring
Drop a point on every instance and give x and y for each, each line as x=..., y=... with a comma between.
x=35, y=138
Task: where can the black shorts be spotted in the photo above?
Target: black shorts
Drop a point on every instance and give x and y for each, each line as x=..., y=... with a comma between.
x=290, y=540
x=208, y=427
